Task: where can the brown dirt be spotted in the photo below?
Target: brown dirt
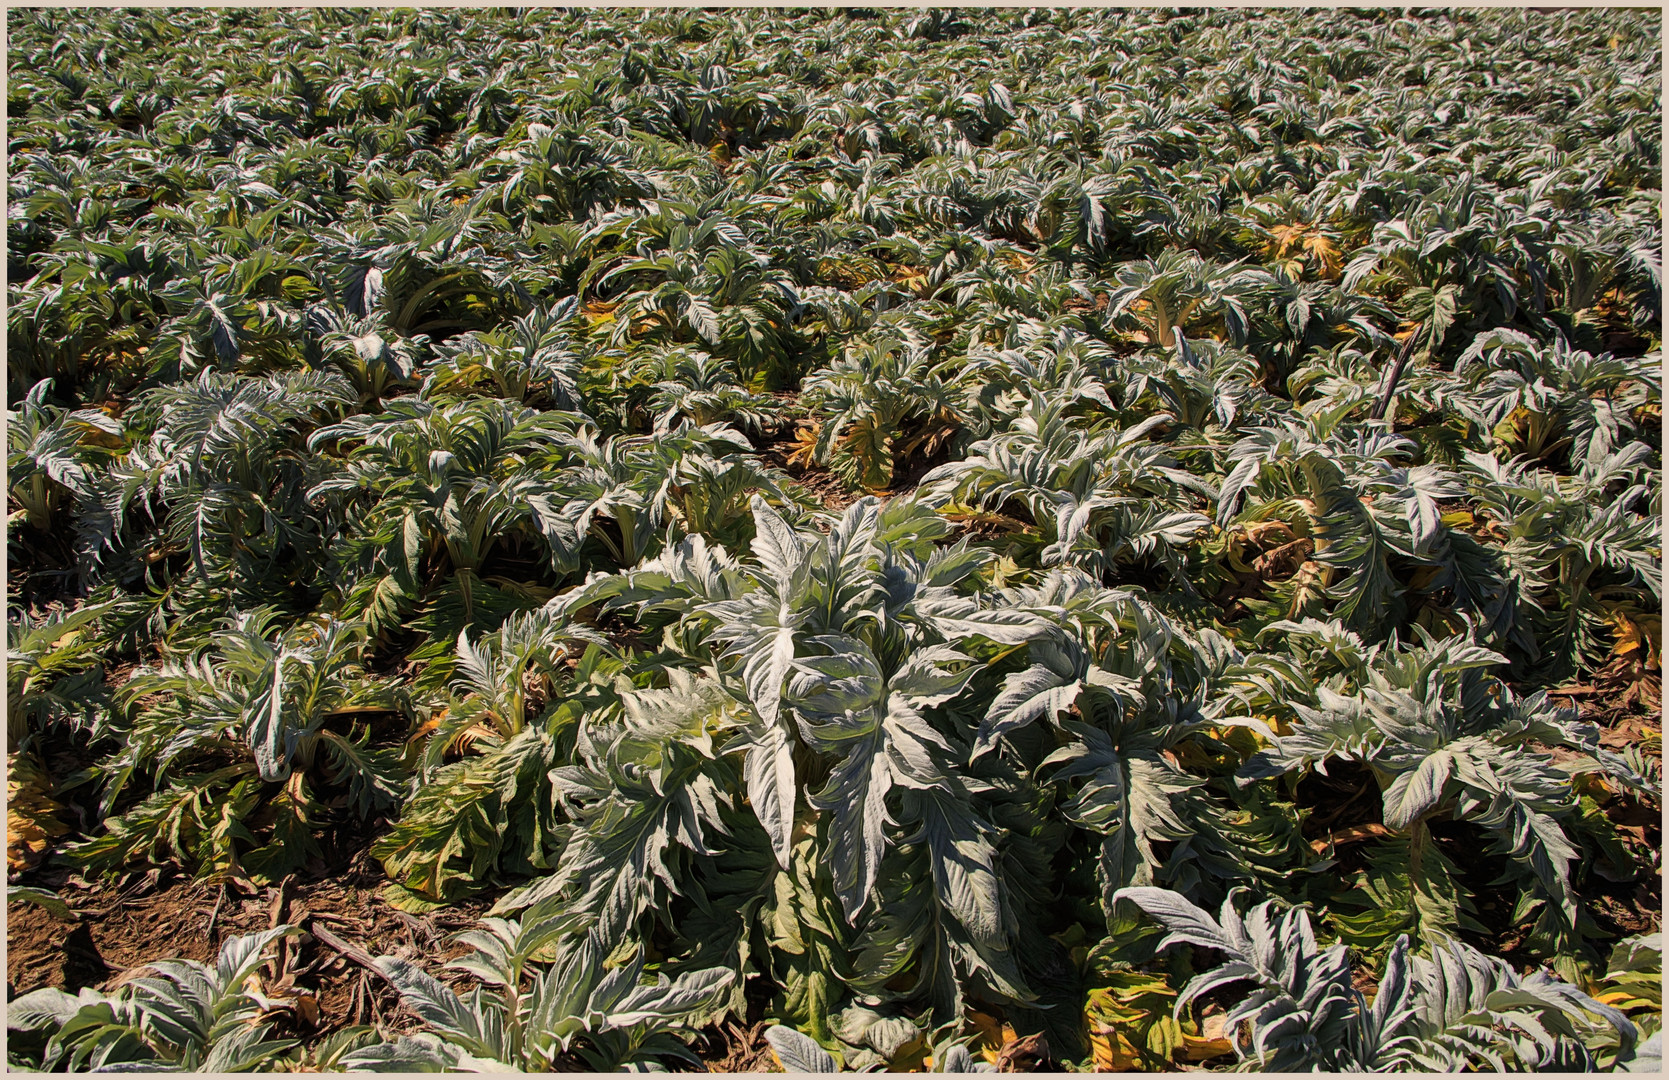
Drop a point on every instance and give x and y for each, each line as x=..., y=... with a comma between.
x=1628, y=909
x=125, y=924
x=823, y=485
x=827, y=489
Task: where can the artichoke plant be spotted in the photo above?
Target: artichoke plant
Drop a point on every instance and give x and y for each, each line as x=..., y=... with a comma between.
x=927, y=540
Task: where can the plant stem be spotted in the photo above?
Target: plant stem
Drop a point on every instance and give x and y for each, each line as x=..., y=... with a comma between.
x=1392, y=375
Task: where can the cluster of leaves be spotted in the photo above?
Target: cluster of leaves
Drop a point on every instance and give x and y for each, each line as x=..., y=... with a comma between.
x=184, y=1017
x=1232, y=402
x=1454, y=1010
x=552, y=988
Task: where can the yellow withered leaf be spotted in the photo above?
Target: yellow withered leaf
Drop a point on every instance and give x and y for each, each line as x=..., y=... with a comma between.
x=912, y=1057
x=1198, y=1048
x=1129, y=1022
x=426, y=727
x=1112, y=1051
x=1640, y=636
x=31, y=813
x=1212, y=1041
x=803, y=455
x=467, y=738
x=993, y=1034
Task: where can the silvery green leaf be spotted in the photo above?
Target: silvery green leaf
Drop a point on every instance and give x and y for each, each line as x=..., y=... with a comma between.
x=138, y=1067
x=1647, y=1057
x=863, y=1059
x=1038, y=691
x=422, y=1052
x=776, y=545
x=435, y=1002
x=39, y=1009
x=772, y=789
x=958, y=1060
x=1241, y=477
x=888, y=1036
x=832, y=688
x=965, y=870
x=241, y=955
x=920, y=756
x=41, y=898
x=267, y=729
x=853, y=1023
x=768, y=667
x=799, y=1053
x=926, y=679
x=1417, y=791
x=242, y=1050
x=1134, y=799
x=669, y=1000
x=1382, y=1030
x=959, y=618
x=1185, y=921
x=856, y=797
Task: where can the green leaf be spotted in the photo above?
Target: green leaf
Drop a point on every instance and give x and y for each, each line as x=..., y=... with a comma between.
x=798, y=1053
x=772, y=788
x=1417, y=791
x=41, y=898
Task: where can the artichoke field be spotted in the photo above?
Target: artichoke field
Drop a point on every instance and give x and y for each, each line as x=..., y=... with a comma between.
x=949, y=540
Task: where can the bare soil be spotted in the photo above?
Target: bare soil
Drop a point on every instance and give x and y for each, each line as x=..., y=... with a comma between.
x=121, y=925
x=823, y=485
